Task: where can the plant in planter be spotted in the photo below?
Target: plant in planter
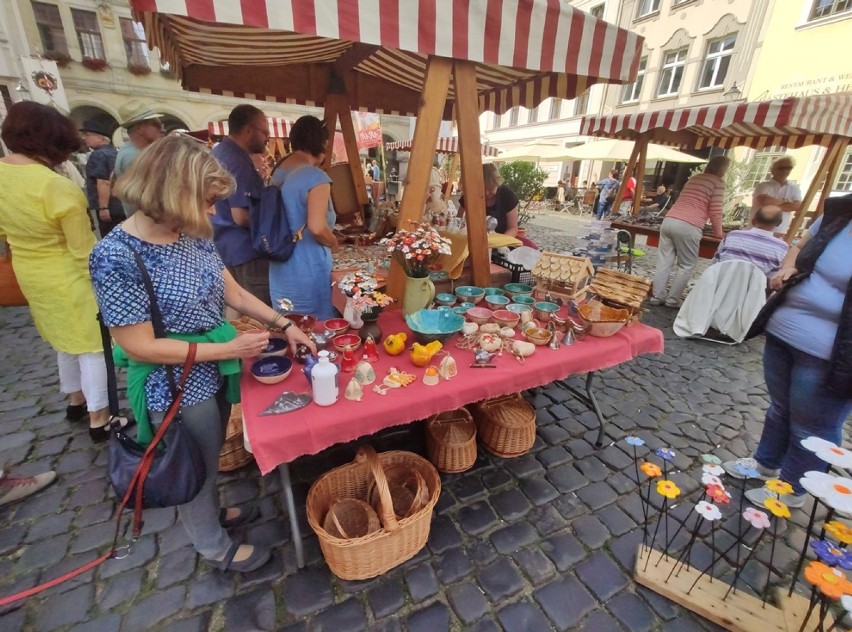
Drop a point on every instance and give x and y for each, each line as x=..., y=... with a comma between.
x=139, y=69
x=61, y=59
x=526, y=180
x=95, y=63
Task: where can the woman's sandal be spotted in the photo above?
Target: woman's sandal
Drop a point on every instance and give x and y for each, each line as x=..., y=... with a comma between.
x=76, y=412
x=259, y=556
x=246, y=515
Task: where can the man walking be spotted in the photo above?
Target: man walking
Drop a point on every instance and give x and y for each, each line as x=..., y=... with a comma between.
x=248, y=133
x=99, y=168
x=143, y=127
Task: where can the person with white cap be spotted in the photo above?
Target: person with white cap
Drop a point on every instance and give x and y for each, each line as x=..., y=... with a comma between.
x=143, y=126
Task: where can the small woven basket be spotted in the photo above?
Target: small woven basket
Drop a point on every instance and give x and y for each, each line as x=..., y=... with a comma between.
x=451, y=441
x=234, y=454
x=351, y=518
x=506, y=425
x=397, y=540
x=408, y=491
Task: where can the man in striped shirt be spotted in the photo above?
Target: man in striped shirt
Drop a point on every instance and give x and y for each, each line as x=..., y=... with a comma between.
x=756, y=245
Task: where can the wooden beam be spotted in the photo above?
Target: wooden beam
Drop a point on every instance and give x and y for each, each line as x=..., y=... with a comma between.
x=454, y=165
x=470, y=150
x=432, y=100
x=330, y=118
x=344, y=113
x=353, y=56
x=631, y=164
x=640, y=175
x=833, y=170
x=831, y=155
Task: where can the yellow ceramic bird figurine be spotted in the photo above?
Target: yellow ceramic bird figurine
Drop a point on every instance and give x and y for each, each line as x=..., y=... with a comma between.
x=422, y=354
x=394, y=344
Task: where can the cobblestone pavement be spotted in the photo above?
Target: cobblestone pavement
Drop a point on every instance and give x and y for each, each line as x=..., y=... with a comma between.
x=544, y=541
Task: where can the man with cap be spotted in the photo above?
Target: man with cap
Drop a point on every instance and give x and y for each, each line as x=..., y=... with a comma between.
x=99, y=168
x=143, y=126
x=248, y=133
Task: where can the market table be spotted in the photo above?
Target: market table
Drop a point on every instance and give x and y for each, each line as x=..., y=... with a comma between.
x=706, y=249
x=279, y=439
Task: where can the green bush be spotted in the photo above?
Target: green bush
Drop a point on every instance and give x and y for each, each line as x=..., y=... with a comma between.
x=526, y=180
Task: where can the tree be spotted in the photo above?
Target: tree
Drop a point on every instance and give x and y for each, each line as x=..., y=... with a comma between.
x=526, y=180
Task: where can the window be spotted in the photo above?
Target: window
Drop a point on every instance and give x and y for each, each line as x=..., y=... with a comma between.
x=88, y=34
x=597, y=11
x=844, y=178
x=672, y=73
x=646, y=7
x=581, y=104
x=134, y=42
x=825, y=8
x=50, y=29
x=513, y=116
x=717, y=62
x=633, y=91
x=555, y=108
x=760, y=165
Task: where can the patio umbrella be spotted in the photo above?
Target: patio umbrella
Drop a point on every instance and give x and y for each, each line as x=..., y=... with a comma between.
x=538, y=150
x=612, y=150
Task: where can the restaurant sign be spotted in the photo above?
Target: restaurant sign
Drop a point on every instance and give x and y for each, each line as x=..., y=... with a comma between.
x=829, y=84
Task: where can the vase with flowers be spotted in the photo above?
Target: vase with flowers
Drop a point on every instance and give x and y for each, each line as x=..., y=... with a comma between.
x=370, y=305
x=417, y=251
x=353, y=285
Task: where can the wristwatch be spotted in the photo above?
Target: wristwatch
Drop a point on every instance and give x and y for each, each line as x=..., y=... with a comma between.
x=286, y=327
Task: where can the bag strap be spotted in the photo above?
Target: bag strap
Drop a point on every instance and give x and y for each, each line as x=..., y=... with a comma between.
x=112, y=386
x=297, y=237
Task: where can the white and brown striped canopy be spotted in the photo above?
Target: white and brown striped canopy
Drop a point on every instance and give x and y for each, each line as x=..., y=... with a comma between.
x=278, y=127
x=445, y=145
x=793, y=122
x=293, y=50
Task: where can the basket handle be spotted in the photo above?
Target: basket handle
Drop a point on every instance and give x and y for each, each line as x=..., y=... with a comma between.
x=337, y=524
x=368, y=454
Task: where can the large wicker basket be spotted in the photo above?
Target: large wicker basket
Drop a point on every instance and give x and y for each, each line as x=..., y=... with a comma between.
x=397, y=540
x=506, y=425
x=234, y=454
x=451, y=440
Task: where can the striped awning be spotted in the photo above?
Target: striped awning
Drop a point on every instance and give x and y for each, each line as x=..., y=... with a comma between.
x=445, y=145
x=278, y=128
x=793, y=122
x=296, y=51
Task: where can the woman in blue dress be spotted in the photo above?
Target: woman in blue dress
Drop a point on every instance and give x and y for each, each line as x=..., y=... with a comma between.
x=305, y=279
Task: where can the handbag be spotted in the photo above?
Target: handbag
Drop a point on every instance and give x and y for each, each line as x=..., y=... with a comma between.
x=772, y=303
x=167, y=472
x=10, y=291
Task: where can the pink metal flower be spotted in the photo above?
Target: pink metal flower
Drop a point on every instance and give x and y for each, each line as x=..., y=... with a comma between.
x=756, y=518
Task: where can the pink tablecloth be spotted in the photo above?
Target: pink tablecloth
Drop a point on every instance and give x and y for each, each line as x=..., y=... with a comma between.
x=279, y=439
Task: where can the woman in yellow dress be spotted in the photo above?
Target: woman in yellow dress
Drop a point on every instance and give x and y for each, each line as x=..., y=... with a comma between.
x=43, y=218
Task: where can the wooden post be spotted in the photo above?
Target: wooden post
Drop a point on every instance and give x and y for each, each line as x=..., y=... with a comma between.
x=834, y=153
x=330, y=119
x=470, y=150
x=631, y=164
x=429, y=114
x=640, y=174
x=453, y=167
x=833, y=170
x=349, y=138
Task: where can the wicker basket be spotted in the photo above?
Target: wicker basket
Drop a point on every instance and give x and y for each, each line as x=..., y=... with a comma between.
x=506, y=425
x=246, y=323
x=451, y=441
x=408, y=490
x=397, y=540
x=351, y=518
x=234, y=454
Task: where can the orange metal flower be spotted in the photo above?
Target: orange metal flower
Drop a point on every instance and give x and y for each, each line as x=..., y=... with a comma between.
x=668, y=489
x=839, y=531
x=779, y=487
x=831, y=582
x=651, y=469
x=778, y=509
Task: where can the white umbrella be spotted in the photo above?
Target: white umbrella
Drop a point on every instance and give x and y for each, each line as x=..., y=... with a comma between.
x=538, y=150
x=611, y=149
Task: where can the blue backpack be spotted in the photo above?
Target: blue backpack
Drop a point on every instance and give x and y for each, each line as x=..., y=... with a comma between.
x=271, y=234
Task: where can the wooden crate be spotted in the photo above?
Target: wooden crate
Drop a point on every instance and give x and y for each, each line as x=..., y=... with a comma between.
x=561, y=276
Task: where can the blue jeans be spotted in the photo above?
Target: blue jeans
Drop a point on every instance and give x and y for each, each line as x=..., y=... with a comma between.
x=603, y=208
x=800, y=406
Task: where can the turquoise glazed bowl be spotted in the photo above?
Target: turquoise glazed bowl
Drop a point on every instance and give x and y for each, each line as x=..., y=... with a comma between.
x=519, y=308
x=461, y=310
x=445, y=298
x=523, y=299
x=470, y=293
x=489, y=291
x=543, y=310
x=467, y=305
x=517, y=289
x=495, y=301
x=432, y=324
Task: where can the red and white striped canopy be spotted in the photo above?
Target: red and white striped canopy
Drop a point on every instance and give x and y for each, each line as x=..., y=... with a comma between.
x=294, y=50
x=445, y=145
x=278, y=128
x=793, y=122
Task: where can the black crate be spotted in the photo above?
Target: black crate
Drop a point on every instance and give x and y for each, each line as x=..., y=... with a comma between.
x=519, y=273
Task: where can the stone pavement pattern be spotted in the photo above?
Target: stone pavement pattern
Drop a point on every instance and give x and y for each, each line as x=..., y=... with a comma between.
x=545, y=541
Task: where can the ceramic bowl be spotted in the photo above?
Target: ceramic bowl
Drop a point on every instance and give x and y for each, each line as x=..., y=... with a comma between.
x=537, y=335
x=445, y=298
x=305, y=322
x=495, y=301
x=493, y=291
x=337, y=325
x=505, y=318
x=429, y=325
x=272, y=369
x=461, y=310
x=518, y=308
x=543, y=310
x=523, y=299
x=518, y=289
x=479, y=315
x=346, y=340
x=466, y=305
x=446, y=308
x=276, y=347
x=470, y=293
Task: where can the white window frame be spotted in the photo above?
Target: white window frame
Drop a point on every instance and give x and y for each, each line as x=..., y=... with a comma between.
x=598, y=10
x=633, y=91
x=678, y=62
x=55, y=31
x=555, y=109
x=760, y=165
x=135, y=44
x=581, y=103
x=716, y=59
x=844, y=177
x=835, y=8
x=647, y=7
x=91, y=41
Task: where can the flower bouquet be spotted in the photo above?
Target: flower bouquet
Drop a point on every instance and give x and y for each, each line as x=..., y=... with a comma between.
x=417, y=250
x=356, y=283
x=362, y=297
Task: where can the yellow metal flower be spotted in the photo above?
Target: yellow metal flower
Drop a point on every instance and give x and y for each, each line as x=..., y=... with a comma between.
x=778, y=509
x=839, y=531
x=668, y=489
x=651, y=470
x=779, y=487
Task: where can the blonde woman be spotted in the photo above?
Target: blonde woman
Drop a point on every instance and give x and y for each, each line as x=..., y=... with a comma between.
x=171, y=231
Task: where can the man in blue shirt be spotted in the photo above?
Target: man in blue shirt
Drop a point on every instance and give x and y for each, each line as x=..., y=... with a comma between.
x=99, y=168
x=248, y=132
x=144, y=126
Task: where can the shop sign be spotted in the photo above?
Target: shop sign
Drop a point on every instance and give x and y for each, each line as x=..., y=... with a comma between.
x=368, y=128
x=829, y=84
x=44, y=83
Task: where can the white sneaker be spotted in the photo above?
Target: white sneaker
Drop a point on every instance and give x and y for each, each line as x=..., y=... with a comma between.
x=757, y=496
x=655, y=301
x=13, y=489
x=748, y=463
x=673, y=302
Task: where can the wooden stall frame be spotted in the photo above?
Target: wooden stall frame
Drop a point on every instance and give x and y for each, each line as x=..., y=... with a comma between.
x=829, y=167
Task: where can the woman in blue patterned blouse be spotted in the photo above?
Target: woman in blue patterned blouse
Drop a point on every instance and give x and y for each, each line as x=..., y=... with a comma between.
x=174, y=184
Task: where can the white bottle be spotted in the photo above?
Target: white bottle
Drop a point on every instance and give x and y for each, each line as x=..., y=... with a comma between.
x=324, y=381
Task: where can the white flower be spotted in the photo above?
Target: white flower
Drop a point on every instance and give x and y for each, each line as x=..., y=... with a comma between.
x=846, y=602
x=834, y=491
x=828, y=452
x=711, y=479
x=712, y=468
x=708, y=511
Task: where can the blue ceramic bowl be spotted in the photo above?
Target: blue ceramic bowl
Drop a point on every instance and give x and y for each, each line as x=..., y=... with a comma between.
x=461, y=310
x=470, y=293
x=543, y=310
x=272, y=369
x=489, y=291
x=276, y=347
x=495, y=301
x=432, y=324
x=519, y=308
x=517, y=289
x=444, y=308
x=523, y=299
x=467, y=305
x=445, y=298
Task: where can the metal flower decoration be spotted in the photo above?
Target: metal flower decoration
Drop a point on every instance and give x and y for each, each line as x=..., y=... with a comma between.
x=634, y=441
x=828, y=451
x=667, y=454
x=711, y=459
x=708, y=511
x=668, y=489
x=651, y=469
x=829, y=581
x=747, y=472
x=718, y=494
x=713, y=468
x=839, y=531
x=756, y=518
x=777, y=508
x=834, y=491
x=711, y=479
x=778, y=486
x=831, y=555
